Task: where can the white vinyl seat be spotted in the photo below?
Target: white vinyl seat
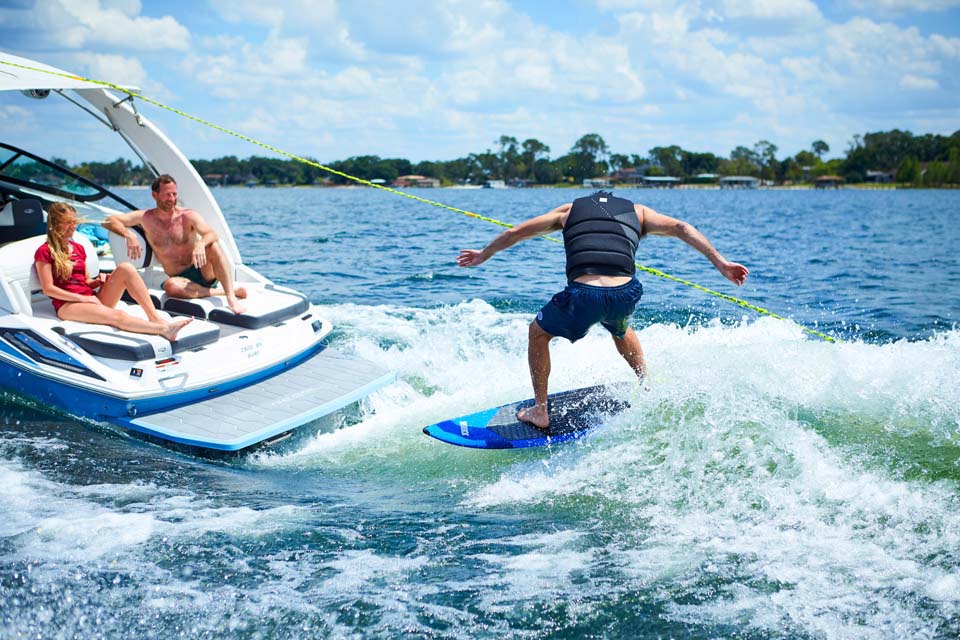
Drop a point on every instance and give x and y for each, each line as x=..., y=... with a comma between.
x=21, y=286
x=266, y=304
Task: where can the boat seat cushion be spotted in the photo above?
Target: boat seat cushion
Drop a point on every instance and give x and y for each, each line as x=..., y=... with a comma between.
x=21, y=219
x=108, y=342
x=118, y=247
x=266, y=305
x=17, y=267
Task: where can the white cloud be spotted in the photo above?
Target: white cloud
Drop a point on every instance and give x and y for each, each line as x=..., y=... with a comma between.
x=130, y=8
x=87, y=24
x=480, y=56
x=426, y=79
x=871, y=51
x=778, y=10
x=894, y=7
x=318, y=19
x=911, y=81
x=311, y=14
x=12, y=116
x=111, y=68
x=237, y=69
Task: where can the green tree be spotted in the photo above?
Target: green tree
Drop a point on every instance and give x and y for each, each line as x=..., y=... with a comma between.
x=591, y=146
x=819, y=148
x=637, y=161
x=953, y=165
x=533, y=151
x=619, y=161
x=112, y=173
x=587, y=159
x=909, y=170
x=792, y=170
x=766, y=155
x=509, y=157
x=669, y=159
x=695, y=163
x=742, y=162
x=546, y=172
x=938, y=173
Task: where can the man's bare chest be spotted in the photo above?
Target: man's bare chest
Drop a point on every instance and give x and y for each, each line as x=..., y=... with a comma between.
x=177, y=231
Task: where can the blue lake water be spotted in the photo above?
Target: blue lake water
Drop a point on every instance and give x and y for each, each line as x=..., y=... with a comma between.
x=770, y=485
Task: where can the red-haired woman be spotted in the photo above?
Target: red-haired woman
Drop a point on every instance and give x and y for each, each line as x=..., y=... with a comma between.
x=61, y=267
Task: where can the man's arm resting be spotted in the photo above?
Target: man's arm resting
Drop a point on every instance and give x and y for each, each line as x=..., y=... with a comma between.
x=120, y=224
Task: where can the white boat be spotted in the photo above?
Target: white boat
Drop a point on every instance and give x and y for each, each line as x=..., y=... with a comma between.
x=228, y=381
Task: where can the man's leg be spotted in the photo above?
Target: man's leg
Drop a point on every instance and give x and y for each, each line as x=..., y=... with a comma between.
x=629, y=347
x=223, y=273
x=180, y=287
x=538, y=357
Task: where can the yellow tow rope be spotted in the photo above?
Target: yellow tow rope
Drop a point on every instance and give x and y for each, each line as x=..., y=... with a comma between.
x=655, y=272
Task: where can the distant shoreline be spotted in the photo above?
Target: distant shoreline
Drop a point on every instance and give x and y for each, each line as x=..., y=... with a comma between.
x=682, y=187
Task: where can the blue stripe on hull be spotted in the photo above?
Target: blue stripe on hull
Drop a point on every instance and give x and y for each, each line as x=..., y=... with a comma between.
x=85, y=403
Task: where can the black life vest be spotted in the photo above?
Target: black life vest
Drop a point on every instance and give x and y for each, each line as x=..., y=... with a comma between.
x=601, y=236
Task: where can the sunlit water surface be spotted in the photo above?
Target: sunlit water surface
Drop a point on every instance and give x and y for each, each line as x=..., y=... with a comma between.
x=770, y=485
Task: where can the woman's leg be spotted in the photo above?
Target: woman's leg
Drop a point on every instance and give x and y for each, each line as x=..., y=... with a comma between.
x=126, y=278
x=102, y=314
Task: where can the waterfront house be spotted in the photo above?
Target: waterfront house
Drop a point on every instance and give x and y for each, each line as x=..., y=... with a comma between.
x=596, y=183
x=402, y=182
x=828, y=182
x=660, y=182
x=629, y=175
x=705, y=178
x=880, y=176
x=739, y=182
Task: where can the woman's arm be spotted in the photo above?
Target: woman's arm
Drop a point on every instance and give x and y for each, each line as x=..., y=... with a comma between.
x=45, y=274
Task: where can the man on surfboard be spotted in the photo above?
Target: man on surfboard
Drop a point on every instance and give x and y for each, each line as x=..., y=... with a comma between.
x=600, y=236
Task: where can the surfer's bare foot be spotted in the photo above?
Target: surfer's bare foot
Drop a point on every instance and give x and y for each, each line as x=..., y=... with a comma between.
x=170, y=333
x=536, y=415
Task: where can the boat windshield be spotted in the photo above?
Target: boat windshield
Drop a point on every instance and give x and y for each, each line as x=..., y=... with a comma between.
x=26, y=171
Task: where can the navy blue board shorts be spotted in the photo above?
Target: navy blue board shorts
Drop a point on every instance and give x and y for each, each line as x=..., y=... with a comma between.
x=572, y=312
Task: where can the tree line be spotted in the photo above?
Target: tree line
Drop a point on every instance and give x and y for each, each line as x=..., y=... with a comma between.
x=921, y=160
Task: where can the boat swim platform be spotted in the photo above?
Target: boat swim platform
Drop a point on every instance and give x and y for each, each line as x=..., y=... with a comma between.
x=315, y=388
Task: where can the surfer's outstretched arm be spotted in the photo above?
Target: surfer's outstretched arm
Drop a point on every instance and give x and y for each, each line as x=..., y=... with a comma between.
x=659, y=224
x=546, y=223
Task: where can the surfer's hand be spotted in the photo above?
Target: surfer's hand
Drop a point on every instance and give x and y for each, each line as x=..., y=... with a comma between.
x=471, y=258
x=735, y=273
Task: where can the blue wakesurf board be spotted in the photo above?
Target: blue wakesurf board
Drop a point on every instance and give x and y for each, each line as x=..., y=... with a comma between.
x=572, y=414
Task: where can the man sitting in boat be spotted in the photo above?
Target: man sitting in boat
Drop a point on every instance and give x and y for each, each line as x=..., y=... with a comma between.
x=62, y=270
x=185, y=245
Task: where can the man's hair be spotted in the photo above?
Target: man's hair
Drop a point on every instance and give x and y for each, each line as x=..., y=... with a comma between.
x=164, y=178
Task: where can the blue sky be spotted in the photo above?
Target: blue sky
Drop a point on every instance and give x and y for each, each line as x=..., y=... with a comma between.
x=434, y=80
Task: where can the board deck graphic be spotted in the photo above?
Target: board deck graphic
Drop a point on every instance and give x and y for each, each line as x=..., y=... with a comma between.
x=572, y=414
